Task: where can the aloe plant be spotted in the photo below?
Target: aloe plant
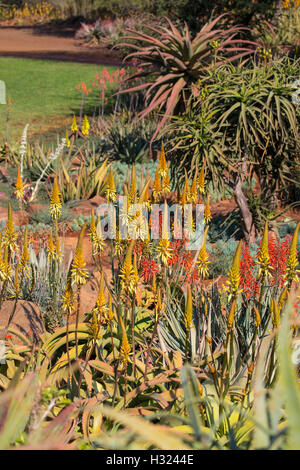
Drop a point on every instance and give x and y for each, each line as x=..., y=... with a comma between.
x=175, y=62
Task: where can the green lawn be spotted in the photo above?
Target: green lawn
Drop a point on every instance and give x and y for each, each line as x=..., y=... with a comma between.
x=44, y=94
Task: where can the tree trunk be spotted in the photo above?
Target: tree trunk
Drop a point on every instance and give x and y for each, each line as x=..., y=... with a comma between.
x=241, y=200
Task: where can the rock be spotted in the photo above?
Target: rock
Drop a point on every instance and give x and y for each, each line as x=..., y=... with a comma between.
x=34, y=208
x=86, y=207
x=27, y=319
x=19, y=217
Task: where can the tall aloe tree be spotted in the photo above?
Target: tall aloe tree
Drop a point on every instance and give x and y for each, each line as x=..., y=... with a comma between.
x=244, y=124
x=175, y=62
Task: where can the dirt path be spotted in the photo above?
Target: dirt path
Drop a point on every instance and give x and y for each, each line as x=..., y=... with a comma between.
x=54, y=44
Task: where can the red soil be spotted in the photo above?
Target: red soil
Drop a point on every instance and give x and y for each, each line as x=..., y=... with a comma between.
x=55, y=43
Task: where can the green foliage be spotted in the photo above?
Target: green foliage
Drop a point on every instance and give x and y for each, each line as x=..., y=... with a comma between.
x=175, y=62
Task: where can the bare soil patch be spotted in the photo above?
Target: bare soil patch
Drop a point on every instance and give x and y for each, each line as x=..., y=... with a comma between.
x=53, y=43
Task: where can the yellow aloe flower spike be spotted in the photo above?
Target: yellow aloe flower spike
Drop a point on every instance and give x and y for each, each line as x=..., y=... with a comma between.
x=58, y=252
x=231, y=315
x=291, y=273
x=55, y=201
x=127, y=281
x=74, y=127
x=283, y=298
x=202, y=260
x=6, y=269
x=166, y=186
x=133, y=190
x=16, y=280
x=111, y=194
x=110, y=313
x=92, y=226
x=67, y=299
x=188, y=316
x=10, y=237
x=163, y=249
x=207, y=212
x=193, y=190
x=125, y=347
x=78, y=272
x=68, y=142
x=187, y=187
x=25, y=253
x=162, y=164
x=51, y=247
x=201, y=181
x=101, y=307
x=85, y=126
x=158, y=303
x=275, y=313
x=156, y=193
x=234, y=274
x=136, y=278
x=257, y=317
x=19, y=192
x=263, y=257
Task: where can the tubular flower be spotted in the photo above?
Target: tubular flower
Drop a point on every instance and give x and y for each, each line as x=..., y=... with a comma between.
x=10, y=236
x=275, y=313
x=136, y=279
x=283, y=298
x=202, y=260
x=110, y=313
x=25, y=253
x=111, y=194
x=19, y=192
x=164, y=249
x=85, y=126
x=16, y=280
x=126, y=276
x=68, y=143
x=263, y=257
x=78, y=272
x=133, y=190
x=184, y=196
x=291, y=273
x=187, y=187
x=68, y=299
x=100, y=307
x=188, y=316
x=257, y=321
x=193, y=190
x=231, y=315
x=207, y=213
x=158, y=305
x=96, y=235
x=234, y=275
x=157, y=190
x=58, y=252
x=201, y=181
x=55, y=201
x=94, y=328
x=74, y=127
x=6, y=269
x=166, y=187
x=51, y=248
x=124, y=350
x=162, y=165
x=119, y=245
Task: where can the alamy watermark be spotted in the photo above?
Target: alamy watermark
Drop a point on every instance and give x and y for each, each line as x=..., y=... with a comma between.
x=2, y=352
x=2, y=92
x=161, y=221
